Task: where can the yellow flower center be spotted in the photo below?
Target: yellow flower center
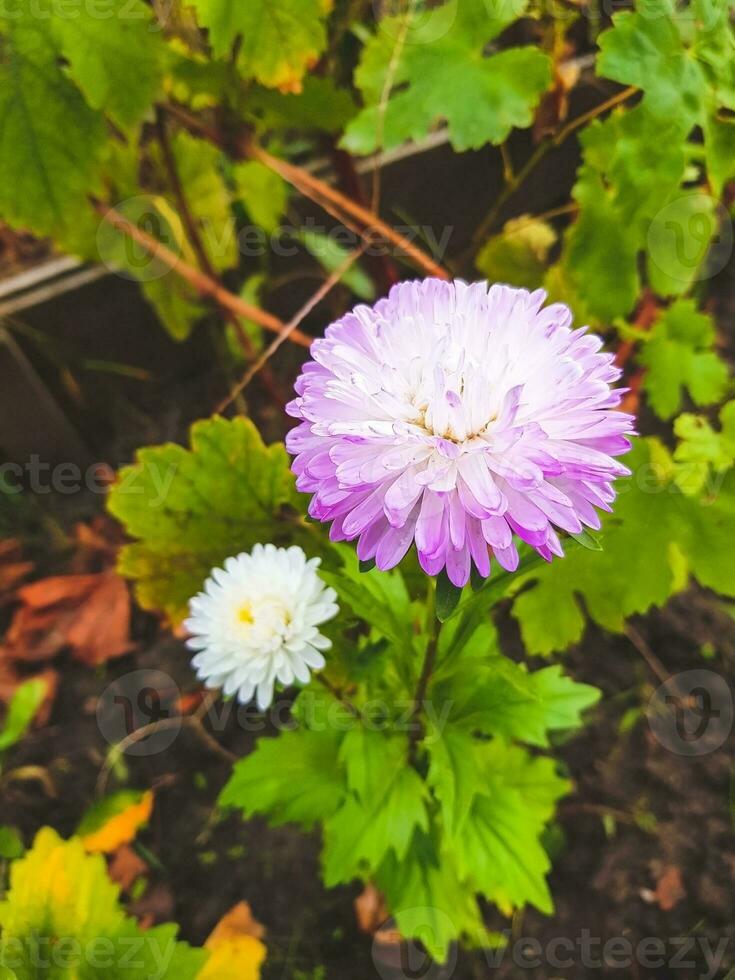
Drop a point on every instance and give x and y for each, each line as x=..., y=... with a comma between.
x=245, y=614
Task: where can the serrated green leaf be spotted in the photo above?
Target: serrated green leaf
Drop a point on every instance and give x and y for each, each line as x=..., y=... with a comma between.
x=295, y=777
x=703, y=453
x=53, y=141
x=279, y=39
x=609, y=289
x=320, y=105
x=646, y=49
x=101, y=50
x=428, y=899
x=505, y=700
x=359, y=836
x=636, y=569
x=191, y=509
x=446, y=76
x=677, y=355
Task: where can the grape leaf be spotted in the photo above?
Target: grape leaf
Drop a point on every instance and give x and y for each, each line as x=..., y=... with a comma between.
x=609, y=289
x=646, y=49
x=678, y=355
x=446, y=76
x=295, y=777
x=702, y=453
x=62, y=898
x=191, y=509
x=115, y=59
x=52, y=140
x=280, y=39
x=636, y=569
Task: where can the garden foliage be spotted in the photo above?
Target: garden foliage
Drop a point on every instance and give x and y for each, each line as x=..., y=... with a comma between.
x=438, y=786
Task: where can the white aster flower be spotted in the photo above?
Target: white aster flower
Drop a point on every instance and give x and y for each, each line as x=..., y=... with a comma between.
x=256, y=622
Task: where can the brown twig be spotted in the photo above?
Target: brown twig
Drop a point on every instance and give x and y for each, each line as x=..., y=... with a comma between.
x=283, y=336
x=486, y=225
x=202, y=283
x=318, y=191
x=244, y=148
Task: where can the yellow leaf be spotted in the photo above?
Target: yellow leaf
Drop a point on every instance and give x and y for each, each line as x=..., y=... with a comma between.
x=237, y=952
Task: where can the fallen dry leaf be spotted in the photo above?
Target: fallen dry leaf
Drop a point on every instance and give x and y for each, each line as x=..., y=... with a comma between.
x=121, y=827
x=90, y=614
x=126, y=866
x=236, y=947
x=239, y=921
x=669, y=889
x=370, y=910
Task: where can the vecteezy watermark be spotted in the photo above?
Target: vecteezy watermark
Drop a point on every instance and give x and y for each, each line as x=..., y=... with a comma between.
x=39, y=476
x=691, y=238
x=692, y=713
x=408, y=960
x=149, y=957
x=699, y=956
x=140, y=711
x=126, y=253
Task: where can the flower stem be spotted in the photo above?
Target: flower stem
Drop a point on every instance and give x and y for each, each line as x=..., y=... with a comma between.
x=434, y=626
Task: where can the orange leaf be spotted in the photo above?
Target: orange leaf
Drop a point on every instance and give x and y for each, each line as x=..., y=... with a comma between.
x=121, y=827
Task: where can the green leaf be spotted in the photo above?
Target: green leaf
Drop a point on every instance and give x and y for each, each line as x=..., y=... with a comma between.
x=703, y=453
x=263, y=192
x=199, y=166
x=362, y=833
x=295, y=777
x=636, y=569
x=386, y=804
x=678, y=355
x=331, y=255
x=320, y=105
x=498, y=848
x=115, y=59
x=428, y=899
x=679, y=240
x=380, y=598
x=646, y=49
x=609, y=289
x=191, y=509
x=506, y=700
x=52, y=139
x=11, y=843
x=518, y=255
x=61, y=897
x=455, y=762
x=279, y=39
x=447, y=596
x=23, y=708
x=445, y=76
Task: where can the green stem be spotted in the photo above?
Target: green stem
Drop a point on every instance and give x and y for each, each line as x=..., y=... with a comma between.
x=434, y=627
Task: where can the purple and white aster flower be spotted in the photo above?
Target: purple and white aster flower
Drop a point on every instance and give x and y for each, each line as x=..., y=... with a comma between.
x=458, y=416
